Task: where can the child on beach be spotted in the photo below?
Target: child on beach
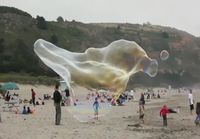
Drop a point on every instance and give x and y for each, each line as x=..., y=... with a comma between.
x=163, y=113
x=96, y=108
x=29, y=111
x=24, y=111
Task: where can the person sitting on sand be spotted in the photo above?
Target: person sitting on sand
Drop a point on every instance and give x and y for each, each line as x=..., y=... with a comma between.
x=163, y=113
x=96, y=108
x=148, y=96
x=7, y=96
x=121, y=100
x=24, y=111
x=158, y=95
x=29, y=111
x=113, y=101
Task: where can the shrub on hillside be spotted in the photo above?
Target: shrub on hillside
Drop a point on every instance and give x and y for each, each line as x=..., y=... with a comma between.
x=41, y=23
x=60, y=19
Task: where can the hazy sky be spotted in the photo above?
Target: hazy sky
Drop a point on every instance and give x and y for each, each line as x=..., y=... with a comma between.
x=181, y=14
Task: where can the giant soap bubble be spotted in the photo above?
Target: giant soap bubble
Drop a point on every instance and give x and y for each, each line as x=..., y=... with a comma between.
x=108, y=68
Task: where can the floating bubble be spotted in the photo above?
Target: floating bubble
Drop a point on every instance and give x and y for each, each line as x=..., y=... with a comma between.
x=164, y=55
x=151, y=68
x=108, y=67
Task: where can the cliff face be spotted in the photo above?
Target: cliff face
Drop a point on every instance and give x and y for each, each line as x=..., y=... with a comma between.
x=18, y=32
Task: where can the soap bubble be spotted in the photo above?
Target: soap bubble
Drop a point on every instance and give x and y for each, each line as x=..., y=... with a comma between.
x=164, y=55
x=151, y=68
x=108, y=67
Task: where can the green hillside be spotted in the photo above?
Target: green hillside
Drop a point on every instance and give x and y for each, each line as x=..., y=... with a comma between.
x=19, y=31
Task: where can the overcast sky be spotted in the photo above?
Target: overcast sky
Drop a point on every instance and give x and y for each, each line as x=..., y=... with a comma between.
x=181, y=14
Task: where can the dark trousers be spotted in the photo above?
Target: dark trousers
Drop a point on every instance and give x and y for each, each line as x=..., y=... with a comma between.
x=164, y=120
x=58, y=113
x=33, y=100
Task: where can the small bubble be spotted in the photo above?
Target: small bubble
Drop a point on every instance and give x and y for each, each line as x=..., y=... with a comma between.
x=151, y=68
x=164, y=55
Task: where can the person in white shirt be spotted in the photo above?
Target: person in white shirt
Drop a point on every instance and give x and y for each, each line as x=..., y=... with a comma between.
x=191, y=101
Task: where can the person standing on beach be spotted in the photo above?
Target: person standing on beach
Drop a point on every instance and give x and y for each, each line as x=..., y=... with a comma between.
x=96, y=108
x=57, y=99
x=163, y=113
x=141, y=111
x=33, y=94
x=191, y=101
x=142, y=100
x=67, y=95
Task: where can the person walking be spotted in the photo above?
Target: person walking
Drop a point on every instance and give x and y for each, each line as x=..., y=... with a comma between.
x=141, y=111
x=142, y=100
x=163, y=113
x=191, y=101
x=57, y=100
x=33, y=94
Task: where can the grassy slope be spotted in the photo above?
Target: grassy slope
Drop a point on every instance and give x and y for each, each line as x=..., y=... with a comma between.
x=75, y=36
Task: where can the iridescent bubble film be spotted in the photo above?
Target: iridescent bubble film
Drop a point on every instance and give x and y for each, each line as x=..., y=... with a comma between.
x=106, y=68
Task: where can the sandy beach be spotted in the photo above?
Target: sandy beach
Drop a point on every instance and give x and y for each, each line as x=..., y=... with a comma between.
x=119, y=123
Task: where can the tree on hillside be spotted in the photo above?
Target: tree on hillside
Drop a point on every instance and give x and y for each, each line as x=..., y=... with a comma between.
x=1, y=45
x=165, y=35
x=41, y=23
x=60, y=19
x=23, y=59
x=54, y=39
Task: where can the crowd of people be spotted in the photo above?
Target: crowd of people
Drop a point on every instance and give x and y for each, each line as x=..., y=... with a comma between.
x=125, y=97
x=64, y=99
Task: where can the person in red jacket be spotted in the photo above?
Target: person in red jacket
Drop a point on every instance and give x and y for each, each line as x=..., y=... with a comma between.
x=163, y=113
